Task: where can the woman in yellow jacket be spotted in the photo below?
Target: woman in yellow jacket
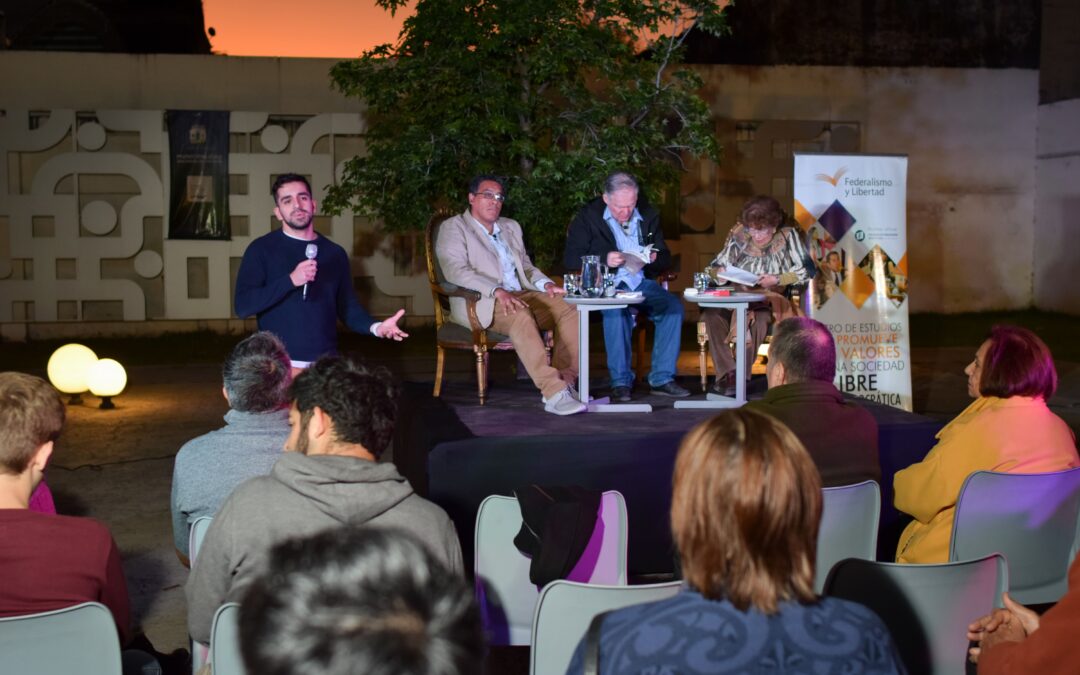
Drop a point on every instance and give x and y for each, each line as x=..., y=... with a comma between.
x=1008, y=428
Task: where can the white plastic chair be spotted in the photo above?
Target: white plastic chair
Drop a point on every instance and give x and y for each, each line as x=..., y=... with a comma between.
x=1029, y=518
x=77, y=639
x=849, y=526
x=199, y=526
x=506, y=596
x=925, y=607
x=565, y=609
x=196, y=534
x=225, y=658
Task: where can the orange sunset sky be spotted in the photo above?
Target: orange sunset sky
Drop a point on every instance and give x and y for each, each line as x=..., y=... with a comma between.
x=312, y=28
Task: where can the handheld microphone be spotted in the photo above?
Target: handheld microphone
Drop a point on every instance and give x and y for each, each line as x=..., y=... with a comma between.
x=310, y=252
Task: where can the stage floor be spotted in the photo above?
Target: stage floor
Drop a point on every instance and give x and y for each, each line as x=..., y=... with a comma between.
x=457, y=452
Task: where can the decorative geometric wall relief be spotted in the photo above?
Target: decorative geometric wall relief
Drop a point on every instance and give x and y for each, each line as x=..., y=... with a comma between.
x=52, y=223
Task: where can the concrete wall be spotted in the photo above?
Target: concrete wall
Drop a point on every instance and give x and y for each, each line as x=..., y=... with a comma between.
x=83, y=222
x=970, y=137
x=1057, y=207
x=1059, y=74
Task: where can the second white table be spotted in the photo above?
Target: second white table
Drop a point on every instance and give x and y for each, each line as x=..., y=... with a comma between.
x=739, y=302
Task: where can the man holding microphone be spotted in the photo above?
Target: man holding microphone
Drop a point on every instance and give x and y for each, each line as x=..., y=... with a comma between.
x=298, y=283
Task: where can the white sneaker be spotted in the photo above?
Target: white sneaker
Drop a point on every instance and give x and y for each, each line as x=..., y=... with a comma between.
x=564, y=403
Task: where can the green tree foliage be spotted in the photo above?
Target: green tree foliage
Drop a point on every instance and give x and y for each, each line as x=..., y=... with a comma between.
x=552, y=94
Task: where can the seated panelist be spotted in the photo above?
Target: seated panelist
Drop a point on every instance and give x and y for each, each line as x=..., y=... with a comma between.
x=761, y=245
x=480, y=250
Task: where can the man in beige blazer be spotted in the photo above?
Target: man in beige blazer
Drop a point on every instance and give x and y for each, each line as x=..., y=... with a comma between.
x=481, y=251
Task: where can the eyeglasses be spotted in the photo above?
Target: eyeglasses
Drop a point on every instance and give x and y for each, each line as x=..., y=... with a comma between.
x=492, y=196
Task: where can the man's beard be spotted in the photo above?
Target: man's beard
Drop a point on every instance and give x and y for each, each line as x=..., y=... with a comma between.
x=300, y=224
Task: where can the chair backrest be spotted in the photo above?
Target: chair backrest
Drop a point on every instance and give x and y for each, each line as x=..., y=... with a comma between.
x=1029, y=518
x=507, y=598
x=199, y=526
x=434, y=271
x=925, y=607
x=435, y=275
x=77, y=639
x=849, y=526
x=565, y=609
x=225, y=656
x=196, y=535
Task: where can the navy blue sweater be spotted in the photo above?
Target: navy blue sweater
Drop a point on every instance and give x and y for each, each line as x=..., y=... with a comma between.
x=307, y=327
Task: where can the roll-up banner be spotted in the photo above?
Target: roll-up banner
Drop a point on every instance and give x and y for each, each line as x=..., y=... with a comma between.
x=199, y=174
x=853, y=210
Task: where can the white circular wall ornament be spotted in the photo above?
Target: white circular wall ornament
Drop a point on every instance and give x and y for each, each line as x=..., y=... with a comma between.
x=274, y=138
x=148, y=264
x=91, y=136
x=99, y=217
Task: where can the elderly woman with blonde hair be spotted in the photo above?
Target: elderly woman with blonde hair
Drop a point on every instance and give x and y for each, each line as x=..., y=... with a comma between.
x=745, y=512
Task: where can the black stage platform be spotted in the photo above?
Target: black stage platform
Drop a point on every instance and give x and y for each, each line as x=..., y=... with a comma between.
x=456, y=453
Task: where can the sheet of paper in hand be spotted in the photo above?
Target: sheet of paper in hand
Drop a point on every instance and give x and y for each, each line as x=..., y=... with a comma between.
x=636, y=259
x=738, y=275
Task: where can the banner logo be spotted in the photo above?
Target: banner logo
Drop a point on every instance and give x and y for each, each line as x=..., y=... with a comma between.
x=833, y=179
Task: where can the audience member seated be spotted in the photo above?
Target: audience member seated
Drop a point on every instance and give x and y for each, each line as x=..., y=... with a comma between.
x=744, y=514
x=1009, y=643
x=359, y=600
x=342, y=419
x=50, y=561
x=841, y=437
x=761, y=244
x=256, y=385
x=1008, y=428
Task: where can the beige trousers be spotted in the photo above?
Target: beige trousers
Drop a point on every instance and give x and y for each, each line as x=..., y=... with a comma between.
x=524, y=326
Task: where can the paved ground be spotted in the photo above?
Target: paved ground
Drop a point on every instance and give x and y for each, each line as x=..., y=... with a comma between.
x=116, y=465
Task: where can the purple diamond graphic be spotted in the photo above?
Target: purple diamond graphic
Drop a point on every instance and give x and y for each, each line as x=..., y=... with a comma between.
x=836, y=220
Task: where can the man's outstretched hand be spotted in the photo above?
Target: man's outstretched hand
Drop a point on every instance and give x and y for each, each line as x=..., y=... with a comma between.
x=389, y=328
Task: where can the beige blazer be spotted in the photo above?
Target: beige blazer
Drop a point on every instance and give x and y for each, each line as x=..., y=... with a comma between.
x=468, y=258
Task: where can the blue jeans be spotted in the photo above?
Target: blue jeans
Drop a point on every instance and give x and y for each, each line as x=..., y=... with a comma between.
x=666, y=311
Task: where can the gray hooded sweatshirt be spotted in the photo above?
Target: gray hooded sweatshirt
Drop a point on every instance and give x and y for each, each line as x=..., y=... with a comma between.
x=301, y=496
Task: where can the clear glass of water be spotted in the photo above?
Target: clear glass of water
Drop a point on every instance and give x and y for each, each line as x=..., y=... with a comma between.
x=701, y=281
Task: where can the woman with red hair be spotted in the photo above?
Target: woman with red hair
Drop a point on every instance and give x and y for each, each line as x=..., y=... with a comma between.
x=1008, y=428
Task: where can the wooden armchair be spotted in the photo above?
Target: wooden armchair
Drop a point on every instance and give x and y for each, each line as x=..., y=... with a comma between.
x=450, y=335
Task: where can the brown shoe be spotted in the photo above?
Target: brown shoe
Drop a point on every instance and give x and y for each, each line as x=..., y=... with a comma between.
x=725, y=385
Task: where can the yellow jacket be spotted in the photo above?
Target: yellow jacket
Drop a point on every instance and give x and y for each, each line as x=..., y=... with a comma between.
x=1012, y=435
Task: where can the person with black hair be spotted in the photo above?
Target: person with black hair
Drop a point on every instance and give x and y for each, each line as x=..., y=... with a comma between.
x=298, y=283
x=359, y=600
x=341, y=419
x=481, y=250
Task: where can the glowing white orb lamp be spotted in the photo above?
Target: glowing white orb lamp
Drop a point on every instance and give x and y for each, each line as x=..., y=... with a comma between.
x=107, y=378
x=68, y=367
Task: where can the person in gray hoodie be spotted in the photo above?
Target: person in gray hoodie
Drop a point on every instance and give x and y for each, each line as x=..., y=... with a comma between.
x=342, y=419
